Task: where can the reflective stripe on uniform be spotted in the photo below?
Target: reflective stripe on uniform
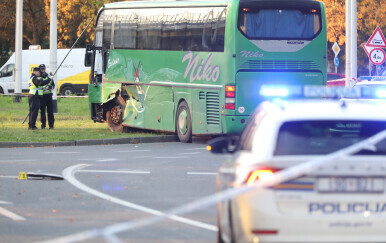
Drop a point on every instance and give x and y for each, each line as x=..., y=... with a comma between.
x=46, y=89
x=33, y=88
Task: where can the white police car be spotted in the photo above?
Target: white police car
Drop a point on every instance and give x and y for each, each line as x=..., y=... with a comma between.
x=343, y=201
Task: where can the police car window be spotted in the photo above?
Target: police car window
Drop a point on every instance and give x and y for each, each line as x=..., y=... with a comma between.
x=324, y=137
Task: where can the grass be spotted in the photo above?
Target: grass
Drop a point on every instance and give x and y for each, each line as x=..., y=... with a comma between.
x=72, y=122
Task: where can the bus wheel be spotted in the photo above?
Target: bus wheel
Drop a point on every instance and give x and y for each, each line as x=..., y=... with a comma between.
x=68, y=91
x=184, y=123
x=114, y=115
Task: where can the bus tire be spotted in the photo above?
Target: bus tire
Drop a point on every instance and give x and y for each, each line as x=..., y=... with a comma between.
x=68, y=91
x=115, y=113
x=184, y=123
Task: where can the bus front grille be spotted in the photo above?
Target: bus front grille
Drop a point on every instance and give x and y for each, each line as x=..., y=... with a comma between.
x=212, y=108
x=280, y=65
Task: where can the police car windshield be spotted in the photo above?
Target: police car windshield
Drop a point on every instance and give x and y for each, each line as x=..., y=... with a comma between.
x=324, y=137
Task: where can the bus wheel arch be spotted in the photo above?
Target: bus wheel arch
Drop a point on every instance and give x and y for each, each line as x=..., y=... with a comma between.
x=114, y=114
x=1, y=90
x=184, y=122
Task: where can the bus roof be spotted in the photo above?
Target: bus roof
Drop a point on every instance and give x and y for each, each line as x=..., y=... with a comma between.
x=142, y=4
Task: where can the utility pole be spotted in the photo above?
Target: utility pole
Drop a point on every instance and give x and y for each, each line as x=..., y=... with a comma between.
x=354, y=48
x=351, y=40
x=348, y=42
x=18, y=50
x=53, y=50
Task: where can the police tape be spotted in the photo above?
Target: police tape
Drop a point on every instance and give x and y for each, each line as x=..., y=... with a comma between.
x=81, y=96
x=291, y=173
x=22, y=95
x=61, y=96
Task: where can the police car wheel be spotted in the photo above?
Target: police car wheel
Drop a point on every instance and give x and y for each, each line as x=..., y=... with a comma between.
x=184, y=123
x=115, y=113
x=68, y=91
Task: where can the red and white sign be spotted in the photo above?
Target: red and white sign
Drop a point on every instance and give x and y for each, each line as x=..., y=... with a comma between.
x=367, y=48
x=377, y=56
x=377, y=39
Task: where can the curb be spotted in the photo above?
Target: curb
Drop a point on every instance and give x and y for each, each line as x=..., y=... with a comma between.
x=88, y=142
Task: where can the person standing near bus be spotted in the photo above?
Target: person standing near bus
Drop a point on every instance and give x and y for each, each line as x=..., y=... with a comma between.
x=35, y=92
x=46, y=101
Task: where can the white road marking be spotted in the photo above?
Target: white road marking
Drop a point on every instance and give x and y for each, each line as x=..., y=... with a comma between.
x=190, y=153
x=4, y=202
x=10, y=215
x=17, y=160
x=287, y=174
x=142, y=157
x=56, y=152
x=116, y=171
x=172, y=157
x=201, y=173
x=196, y=149
x=132, y=151
x=69, y=173
x=8, y=176
x=107, y=160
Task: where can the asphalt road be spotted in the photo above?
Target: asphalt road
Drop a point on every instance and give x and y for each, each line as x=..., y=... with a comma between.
x=104, y=186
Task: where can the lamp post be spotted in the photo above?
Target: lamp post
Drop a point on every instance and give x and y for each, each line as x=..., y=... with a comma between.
x=18, y=50
x=351, y=40
x=53, y=50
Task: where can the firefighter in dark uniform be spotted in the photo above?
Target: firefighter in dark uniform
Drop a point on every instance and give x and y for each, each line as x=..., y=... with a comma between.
x=46, y=101
x=35, y=91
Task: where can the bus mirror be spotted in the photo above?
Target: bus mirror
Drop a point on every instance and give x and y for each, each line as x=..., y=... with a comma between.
x=222, y=145
x=89, y=48
x=87, y=59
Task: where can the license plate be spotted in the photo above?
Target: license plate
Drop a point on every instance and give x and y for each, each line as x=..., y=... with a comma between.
x=350, y=184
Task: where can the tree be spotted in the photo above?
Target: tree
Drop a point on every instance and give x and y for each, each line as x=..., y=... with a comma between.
x=370, y=14
x=73, y=17
x=35, y=25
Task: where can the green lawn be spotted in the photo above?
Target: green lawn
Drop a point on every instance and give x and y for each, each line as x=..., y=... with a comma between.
x=71, y=123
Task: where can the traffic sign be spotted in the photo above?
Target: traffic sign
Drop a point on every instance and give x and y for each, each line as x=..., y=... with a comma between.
x=336, y=49
x=336, y=61
x=377, y=39
x=377, y=56
x=367, y=48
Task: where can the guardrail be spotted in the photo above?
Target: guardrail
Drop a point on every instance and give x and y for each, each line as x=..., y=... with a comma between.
x=109, y=233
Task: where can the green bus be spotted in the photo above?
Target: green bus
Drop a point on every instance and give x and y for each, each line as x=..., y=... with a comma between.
x=195, y=67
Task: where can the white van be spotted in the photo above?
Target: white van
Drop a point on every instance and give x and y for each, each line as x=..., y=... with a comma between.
x=72, y=77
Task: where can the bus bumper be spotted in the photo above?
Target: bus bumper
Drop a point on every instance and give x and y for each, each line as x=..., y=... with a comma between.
x=234, y=124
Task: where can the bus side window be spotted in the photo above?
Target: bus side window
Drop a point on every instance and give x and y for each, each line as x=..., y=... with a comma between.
x=149, y=29
x=218, y=29
x=105, y=59
x=125, y=30
x=107, y=36
x=174, y=29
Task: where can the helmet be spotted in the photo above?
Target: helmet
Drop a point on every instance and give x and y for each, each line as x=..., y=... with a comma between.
x=42, y=66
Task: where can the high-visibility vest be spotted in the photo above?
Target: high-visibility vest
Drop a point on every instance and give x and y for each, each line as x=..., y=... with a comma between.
x=46, y=89
x=33, y=88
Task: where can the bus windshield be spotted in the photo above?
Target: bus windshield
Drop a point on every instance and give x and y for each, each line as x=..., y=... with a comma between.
x=279, y=24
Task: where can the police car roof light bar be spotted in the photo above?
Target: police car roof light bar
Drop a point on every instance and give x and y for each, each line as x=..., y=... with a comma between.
x=318, y=91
